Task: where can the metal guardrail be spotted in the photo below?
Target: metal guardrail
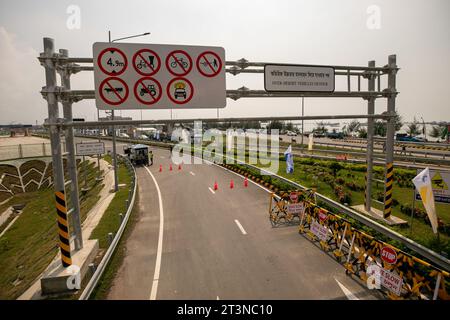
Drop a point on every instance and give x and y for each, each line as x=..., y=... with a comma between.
x=112, y=247
x=423, y=251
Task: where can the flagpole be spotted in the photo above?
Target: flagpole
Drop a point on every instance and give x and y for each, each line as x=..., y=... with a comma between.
x=413, y=208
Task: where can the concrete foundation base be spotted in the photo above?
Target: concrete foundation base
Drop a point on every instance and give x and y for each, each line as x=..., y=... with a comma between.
x=60, y=280
x=378, y=215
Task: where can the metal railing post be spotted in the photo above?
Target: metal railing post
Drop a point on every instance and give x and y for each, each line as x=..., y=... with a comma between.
x=71, y=159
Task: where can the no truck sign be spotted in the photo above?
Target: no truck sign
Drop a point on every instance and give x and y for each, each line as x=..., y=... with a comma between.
x=155, y=76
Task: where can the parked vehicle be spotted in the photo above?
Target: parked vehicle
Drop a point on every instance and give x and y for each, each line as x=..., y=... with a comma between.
x=291, y=133
x=405, y=137
x=335, y=135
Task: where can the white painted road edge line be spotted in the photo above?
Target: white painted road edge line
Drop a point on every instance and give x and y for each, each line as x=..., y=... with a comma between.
x=160, y=240
x=240, y=226
x=192, y=174
x=348, y=293
x=212, y=191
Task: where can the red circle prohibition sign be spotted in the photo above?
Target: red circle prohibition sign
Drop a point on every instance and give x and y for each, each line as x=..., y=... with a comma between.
x=146, y=89
x=188, y=98
x=179, y=62
x=112, y=73
x=208, y=65
x=147, y=64
x=112, y=90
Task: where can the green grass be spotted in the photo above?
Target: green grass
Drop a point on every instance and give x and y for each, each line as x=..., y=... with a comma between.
x=110, y=221
x=31, y=243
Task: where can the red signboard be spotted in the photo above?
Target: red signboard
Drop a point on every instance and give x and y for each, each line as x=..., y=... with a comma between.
x=388, y=255
x=322, y=215
x=293, y=196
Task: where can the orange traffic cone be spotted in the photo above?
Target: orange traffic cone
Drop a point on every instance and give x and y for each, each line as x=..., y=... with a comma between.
x=231, y=184
x=246, y=182
x=215, y=185
x=160, y=168
x=170, y=168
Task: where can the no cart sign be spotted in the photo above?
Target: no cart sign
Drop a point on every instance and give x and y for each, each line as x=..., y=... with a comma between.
x=158, y=76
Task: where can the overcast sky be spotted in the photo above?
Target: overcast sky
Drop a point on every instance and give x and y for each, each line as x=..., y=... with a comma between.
x=302, y=32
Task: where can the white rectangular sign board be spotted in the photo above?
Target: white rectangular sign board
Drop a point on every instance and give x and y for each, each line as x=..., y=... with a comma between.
x=158, y=76
x=440, y=183
x=298, y=78
x=295, y=208
x=90, y=148
x=319, y=230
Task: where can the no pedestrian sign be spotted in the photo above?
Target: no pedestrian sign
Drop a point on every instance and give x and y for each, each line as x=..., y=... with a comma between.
x=153, y=76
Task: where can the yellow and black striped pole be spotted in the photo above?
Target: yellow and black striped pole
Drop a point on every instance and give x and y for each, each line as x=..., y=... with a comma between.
x=63, y=228
x=388, y=190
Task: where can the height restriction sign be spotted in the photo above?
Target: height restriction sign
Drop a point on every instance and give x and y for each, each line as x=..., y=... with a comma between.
x=154, y=76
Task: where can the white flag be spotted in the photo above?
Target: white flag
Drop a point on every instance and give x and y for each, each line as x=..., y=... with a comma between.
x=423, y=184
x=311, y=141
x=289, y=160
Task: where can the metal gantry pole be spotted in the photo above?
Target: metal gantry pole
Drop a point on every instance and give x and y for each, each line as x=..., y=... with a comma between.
x=116, y=182
x=390, y=133
x=55, y=141
x=116, y=179
x=98, y=156
x=71, y=159
x=370, y=133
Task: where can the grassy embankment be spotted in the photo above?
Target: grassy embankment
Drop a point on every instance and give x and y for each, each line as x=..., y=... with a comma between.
x=28, y=247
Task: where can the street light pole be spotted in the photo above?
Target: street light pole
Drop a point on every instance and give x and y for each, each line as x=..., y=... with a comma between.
x=424, y=129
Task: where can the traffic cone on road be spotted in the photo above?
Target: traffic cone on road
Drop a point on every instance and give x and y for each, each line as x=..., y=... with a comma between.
x=160, y=168
x=231, y=184
x=170, y=167
x=179, y=166
x=246, y=182
x=215, y=185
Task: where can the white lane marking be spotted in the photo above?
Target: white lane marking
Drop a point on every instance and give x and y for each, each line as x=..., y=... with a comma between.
x=348, y=293
x=212, y=191
x=240, y=226
x=192, y=174
x=160, y=240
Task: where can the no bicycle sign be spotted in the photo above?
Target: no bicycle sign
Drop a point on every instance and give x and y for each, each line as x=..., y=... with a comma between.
x=153, y=76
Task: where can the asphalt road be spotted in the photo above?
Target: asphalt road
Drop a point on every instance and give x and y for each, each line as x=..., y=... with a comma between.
x=192, y=243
